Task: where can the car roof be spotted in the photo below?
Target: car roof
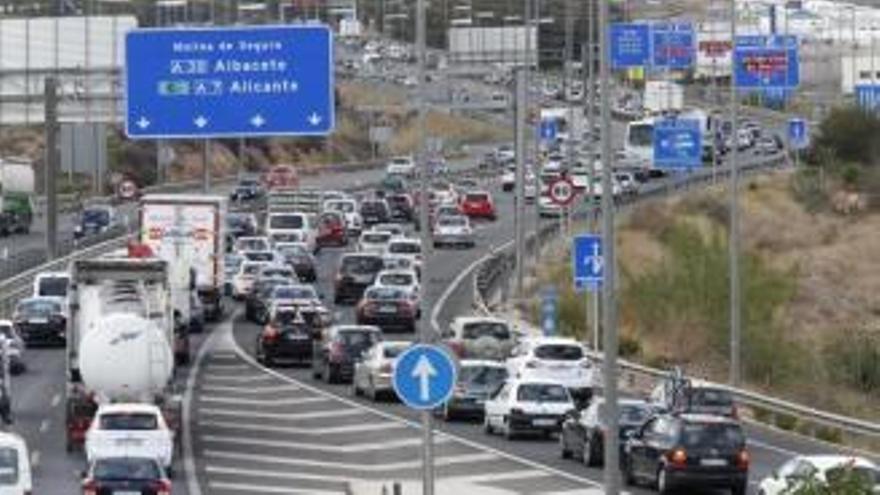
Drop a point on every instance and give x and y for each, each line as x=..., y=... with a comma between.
x=534, y=381
x=706, y=418
x=361, y=255
x=483, y=362
x=12, y=440
x=397, y=271
x=464, y=320
x=540, y=340
x=58, y=274
x=351, y=328
x=282, y=245
x=128, y=407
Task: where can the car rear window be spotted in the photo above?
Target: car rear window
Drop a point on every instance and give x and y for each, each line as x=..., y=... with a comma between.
x=358, y=338
x=38, y=308
x=53, y=286
x=710, y=397
x=392, y=351
x=475, y=197
x=361, y=264
x=129, y=421
x=396, y=279
x=305, y=292
x=482, y=375
x=404, y=248
x=258, y=255
x=384, y=294
x=712, y=435
x=376, y=237
x=126, y=469
x=559, y=352
x=8, y=466
x=542, y=393
x=476, y=330
x=286, y=222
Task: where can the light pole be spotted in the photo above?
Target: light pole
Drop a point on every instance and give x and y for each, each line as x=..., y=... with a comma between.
x=735, y=315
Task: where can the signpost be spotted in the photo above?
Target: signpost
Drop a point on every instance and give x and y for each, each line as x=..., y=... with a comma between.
x=549, y=311
x=630, y=45
x=242, y=81
x=424, y=377
x=763, y=62
x=678, y=143
x=673, y=45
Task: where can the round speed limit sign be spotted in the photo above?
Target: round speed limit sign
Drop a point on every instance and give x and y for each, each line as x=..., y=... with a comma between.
x=562, y=191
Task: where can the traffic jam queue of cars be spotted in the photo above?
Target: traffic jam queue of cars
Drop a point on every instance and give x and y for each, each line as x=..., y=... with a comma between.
x=273, y=236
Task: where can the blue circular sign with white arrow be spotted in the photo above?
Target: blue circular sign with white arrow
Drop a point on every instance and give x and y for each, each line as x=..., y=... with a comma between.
x=424, y=377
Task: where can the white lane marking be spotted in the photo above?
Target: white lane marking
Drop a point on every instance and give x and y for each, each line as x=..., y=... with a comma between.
x=320, y=447
x=227, y=366
x=56, y=399
x=35, y=459
x=403, y=421
x=248, y=390
x=444, y=460
x=248, y=413
x=264, y=473
x=251, y=488
x=502, y=476
x=292, y=401
x=327, y=430
x=236, y=378
x=44, y=426
x=772, y=448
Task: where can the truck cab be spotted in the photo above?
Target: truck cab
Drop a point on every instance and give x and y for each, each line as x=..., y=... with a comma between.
x=95, y=219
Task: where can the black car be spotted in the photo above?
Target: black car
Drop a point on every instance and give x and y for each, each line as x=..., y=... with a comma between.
x=687, y=450
x=286, y=337
x=400, y=207
x=41, y=321
x=240, y=225
x=259, y=302
x=298, y=257
x=389, y=308
x=338, y=348
x=477, y=380
x=211, y=299
x=374, y=211
x=247, y=190
x=583, y=432
x=93, y=220
x=356, y=272
x=142, y=475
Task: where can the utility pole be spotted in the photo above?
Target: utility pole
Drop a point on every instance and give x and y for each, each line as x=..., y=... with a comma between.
x=425, y=334
x=609, y=306
x=51, y=166
x=206, y=165
x=735, y=309
x=519, y=196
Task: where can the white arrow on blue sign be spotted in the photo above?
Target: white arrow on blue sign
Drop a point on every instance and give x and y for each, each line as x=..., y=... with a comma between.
x=424, y=377
x=589, y=263
x=797, y=133
x=548, y=129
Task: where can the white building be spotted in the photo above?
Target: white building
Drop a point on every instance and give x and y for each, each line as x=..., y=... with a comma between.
x=863, y=69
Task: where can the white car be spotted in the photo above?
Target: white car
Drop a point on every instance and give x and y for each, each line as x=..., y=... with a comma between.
x=51, y=284
x=508, y=180
x=406, y=280
x=299, y=224
x=505, y=153
x=15, y=464
x=481, y=337
x=527, y=406
x=243, y=281
x=792, y=475
x=349, y=209
x=557, y=360
x=554, y=163
x=16, y=344
x=130, y=430
x=549, y=209
x=453, y=230
x=254, y=243
x=580, y=177
x=374, y=241
x=400, y=262
x=374, y=371
x=406, y=247
x=276, y=270
x=401, y=165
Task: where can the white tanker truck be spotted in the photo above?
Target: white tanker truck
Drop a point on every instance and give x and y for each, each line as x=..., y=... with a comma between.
x=120, y=340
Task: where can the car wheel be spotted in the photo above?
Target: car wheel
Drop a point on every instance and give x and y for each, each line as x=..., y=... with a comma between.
x=509, y=432
x=328, y=374
x=447, y=414
x=662, y=482
x=740, y=489
x=587, y=456
x=628, y=478
x=563, y=448
x=487, y=425
x=316, y=372
x=371, y=391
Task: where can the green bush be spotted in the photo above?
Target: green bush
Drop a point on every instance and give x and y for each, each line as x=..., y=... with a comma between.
x=850, y=134
x=828, y=434
x=629, y=346
x=851, y=174
x=786, y=422
x=852, y=357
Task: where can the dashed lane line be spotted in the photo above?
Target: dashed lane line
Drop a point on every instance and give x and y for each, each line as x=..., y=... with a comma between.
x=252, y=488
x=248, y=390
x=439, y=461
x=317, y=447
x=292, y=401
x=56, y=399
x=44, y=425
x=237, y=378
x=317, y=431
x=246, y=413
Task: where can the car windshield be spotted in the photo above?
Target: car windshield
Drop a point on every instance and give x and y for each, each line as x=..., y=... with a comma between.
x=712, y=435
x=276, y=272
x=405, y=248
x=126, y=468
x=361, y=264
x=404, y=279
x=452, y=221
x=285, y=222
x=482, y=375
x=295, y=292
x=52, y=286
x=293, y=251
x=476, y=330
x=359, y=338
x=384, y=294
x=542, y=393
x=376, y=237
x=476, y=197
x=559, y=352
x=259, y=255
x=97, y=215
x=343, y=206
x=129, y=421
x=8, y=466
x=38, y=308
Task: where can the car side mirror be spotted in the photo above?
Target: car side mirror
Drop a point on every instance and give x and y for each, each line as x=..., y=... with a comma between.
x=633, y=434
x=83, y=475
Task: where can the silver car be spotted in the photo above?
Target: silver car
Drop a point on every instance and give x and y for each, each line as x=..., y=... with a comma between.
x=16, y=347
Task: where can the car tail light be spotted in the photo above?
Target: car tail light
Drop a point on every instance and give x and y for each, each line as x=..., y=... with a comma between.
x=516, y=411
x=457, y=347
x=337, y=351
x=406, y=308
x=161, y=487
x=367, y=308
x=677, y=457
x=90, y=487
x=743, y=459
x=386, y=368
x=532, y=364
x=270, y=333
x=734, y=412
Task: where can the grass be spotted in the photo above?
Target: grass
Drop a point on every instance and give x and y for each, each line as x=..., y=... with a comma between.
x=454, y=130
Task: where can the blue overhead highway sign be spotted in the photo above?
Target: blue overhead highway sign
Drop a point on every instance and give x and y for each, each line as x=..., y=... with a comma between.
x=762, y=61
x=630, y=45
x=424, y=377
x=673, y=45
x=589, y=265
x=678, y=143
x=248, y=81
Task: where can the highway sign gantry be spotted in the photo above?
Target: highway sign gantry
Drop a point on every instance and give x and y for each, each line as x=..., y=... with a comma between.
x=562, y=191
x=242, y=81
x=588, y=260
x=424, y=377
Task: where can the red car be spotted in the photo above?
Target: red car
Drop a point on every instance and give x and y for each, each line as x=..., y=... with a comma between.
x=332, y=230
x=478, y=204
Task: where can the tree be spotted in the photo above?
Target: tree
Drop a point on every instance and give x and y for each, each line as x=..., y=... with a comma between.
x=844, y=481
x=850, y=133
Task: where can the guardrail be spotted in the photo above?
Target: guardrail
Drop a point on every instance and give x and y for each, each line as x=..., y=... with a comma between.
x=497, y=269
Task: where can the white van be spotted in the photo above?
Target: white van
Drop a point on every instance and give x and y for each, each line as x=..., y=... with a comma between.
x=15, y=466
